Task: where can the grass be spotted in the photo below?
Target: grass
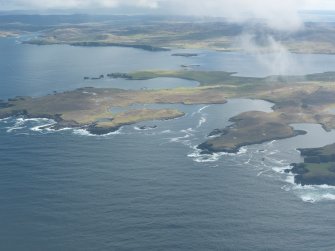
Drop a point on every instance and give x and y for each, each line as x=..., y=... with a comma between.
x=320, y=168
x=172, y=33
x=205, y=78
x=322, y=173
x=135, y=116
x=250, y=128
x=90, y=105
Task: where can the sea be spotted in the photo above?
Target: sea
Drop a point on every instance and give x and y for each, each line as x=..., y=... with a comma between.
x=151, y=189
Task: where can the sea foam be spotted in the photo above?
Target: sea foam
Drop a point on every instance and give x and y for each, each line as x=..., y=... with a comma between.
x=84, y=132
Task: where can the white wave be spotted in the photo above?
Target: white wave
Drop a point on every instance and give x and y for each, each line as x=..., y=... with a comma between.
x=84, y=132
x=328, y=196
x=261, y=173
x=317, y=197
x=275, y=165
x=200, y=110
x=247, y=162
x=179, y=139
x=22, y=123
x=273, y=152
x=286, y=188
x=38, y=120
x=137, y=128
x=201, y=122
x=22, y=133
x=326, y=187
x=310, y=193
x=19, y=124
x=4, y=119
x=183, y=140
x=188, y=130
x=39, y=128
x=45, y=127
x=290, y=179
x=242, y=150
x=271, y=143
x=14, y=128
x=280, y=169
x=203, y=108
x=166, y=131
x=59, y=130
x=203, y=158
x=277, y=162
x=308, y=198
x=213, y=157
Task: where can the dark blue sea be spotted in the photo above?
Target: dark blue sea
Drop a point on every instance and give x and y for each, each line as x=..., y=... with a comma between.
x=151, y=189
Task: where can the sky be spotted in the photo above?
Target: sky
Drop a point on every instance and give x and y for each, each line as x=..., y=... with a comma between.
x=278, y=13
x=172, y=5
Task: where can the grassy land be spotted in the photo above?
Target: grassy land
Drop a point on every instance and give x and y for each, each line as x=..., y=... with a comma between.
x=249, y=128
x=88, y=107
x=207, y=78
x=166, y=32
x=203, y=77
x=135, y=116
x=302, y=103
x=307, y=101
x=318, y=166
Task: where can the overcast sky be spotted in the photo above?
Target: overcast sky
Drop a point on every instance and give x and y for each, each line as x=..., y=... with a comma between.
x=157, y=4
x=279, y=13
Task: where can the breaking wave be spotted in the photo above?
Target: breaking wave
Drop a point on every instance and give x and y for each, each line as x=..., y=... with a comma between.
x=201, y=122
x=34, y=124
x=199, y=157
x=84, y=132
x=275, y=166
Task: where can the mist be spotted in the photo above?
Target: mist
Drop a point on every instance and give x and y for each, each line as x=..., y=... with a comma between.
x=271, y=55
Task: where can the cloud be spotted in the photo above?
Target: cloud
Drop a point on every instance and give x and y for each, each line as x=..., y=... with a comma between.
x=270, y=54
x=75, y=4
x=279, y=14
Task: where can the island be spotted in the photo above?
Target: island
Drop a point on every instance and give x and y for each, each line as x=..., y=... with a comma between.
x=318, y=167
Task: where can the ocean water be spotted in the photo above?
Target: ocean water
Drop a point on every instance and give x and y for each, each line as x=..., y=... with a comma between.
x=148, y=189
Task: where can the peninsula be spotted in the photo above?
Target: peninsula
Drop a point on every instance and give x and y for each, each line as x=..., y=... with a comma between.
x=297, y=99
x=91, y=108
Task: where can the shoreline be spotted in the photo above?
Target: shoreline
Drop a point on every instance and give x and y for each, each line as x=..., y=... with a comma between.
x=208, y=149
